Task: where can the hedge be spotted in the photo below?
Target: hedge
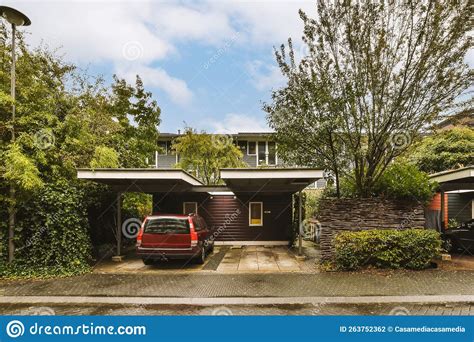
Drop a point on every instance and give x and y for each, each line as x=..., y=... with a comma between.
x=410, y=249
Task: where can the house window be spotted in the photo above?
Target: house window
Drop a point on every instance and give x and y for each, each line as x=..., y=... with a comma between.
x=262, y=152
x=256, y=214
x=190, y=208
x=251, y=148
x=162, y=145
x=266, y=153
x=242, y=145
x=271, y=153
x=164, y=148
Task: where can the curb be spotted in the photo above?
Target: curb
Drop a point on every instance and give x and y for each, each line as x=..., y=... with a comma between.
x=235, y=300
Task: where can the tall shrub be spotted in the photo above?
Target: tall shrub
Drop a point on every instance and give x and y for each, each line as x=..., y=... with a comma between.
x=411, y=249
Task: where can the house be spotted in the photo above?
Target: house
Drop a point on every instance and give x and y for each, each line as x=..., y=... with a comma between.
x=464, y=118
x=253, y=207
x=258, y=149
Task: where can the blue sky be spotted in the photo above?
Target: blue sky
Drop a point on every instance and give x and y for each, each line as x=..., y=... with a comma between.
x=208, y=63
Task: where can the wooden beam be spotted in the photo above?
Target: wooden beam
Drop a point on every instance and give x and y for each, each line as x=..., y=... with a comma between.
x=119, y=224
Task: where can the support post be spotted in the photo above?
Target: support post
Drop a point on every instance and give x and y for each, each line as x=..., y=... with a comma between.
x=300, y=227
x=443, y=226
x=119, y=224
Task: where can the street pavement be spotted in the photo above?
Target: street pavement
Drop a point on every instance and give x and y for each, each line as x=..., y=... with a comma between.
x=228, y=310
x=211, y=285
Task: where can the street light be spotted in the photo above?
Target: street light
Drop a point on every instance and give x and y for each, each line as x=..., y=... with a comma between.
x=15, y=18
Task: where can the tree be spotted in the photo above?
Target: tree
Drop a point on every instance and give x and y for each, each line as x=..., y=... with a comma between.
x=205, y=154
x=376, y=74
x=64, y=121
x=445, y=150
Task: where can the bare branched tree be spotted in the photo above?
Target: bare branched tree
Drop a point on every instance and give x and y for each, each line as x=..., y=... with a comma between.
x=376, y=74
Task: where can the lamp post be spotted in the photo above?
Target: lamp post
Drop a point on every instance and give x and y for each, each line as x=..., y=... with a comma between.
x=15, y=18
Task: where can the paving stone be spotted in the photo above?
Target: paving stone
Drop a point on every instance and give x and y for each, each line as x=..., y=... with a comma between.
x=121, y=309
x=214, y=284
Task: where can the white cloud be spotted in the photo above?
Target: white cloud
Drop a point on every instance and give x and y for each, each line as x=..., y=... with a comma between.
x=234, y=123
x=94, y=31
x=202, y=24
x=175, y=88
x=144, y=32
x=268, y=21
x=265, y=76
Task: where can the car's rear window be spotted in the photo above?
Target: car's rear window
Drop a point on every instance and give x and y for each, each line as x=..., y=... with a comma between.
x=167, y=225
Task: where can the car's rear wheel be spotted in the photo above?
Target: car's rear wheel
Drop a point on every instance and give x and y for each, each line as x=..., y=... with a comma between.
x=201, y=257
x=148, y=261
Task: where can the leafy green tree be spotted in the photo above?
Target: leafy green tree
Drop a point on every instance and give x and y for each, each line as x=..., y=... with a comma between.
x=104, y=157
x=444, y=150
x=205, y=154
x=375, y=75
x=64, y=120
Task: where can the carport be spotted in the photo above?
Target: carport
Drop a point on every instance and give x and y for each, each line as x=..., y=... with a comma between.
x=456, y=195
x=270, y=185
x=138, y=180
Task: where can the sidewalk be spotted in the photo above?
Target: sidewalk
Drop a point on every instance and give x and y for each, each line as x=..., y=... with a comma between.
x=400, y=283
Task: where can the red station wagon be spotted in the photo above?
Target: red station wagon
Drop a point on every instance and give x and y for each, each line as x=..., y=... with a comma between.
x=164, y=237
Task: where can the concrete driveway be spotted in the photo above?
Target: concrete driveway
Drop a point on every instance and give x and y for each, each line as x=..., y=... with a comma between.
x=264, y=259
x=225, y=259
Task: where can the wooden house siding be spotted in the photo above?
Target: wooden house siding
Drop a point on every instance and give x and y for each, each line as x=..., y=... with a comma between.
x=166, y=161
x=251, y=161
x=228, y=217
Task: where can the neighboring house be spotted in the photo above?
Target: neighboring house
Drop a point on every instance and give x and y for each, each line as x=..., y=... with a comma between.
x=463, y=119
x=258, y=149
x=457, y=190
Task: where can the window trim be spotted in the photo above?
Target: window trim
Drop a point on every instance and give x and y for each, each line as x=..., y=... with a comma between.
x=195, y=206
x=261, y=214
x=256, y=143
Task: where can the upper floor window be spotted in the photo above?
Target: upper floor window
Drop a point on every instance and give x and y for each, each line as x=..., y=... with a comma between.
x=271, y=153
x=164, y=148
x=266, y=153
x=252, y=148
x=262, y=153
x=242, y=145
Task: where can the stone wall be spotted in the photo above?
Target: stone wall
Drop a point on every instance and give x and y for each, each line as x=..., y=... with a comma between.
x=337, y=215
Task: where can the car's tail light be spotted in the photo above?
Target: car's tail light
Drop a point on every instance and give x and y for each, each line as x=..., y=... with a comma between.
x=140, y=235
x=194, y=236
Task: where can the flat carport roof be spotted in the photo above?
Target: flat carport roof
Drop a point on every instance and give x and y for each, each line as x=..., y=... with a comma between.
x=141, y=180
x=289, y=180
x=451, y=180
x=270, y=180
